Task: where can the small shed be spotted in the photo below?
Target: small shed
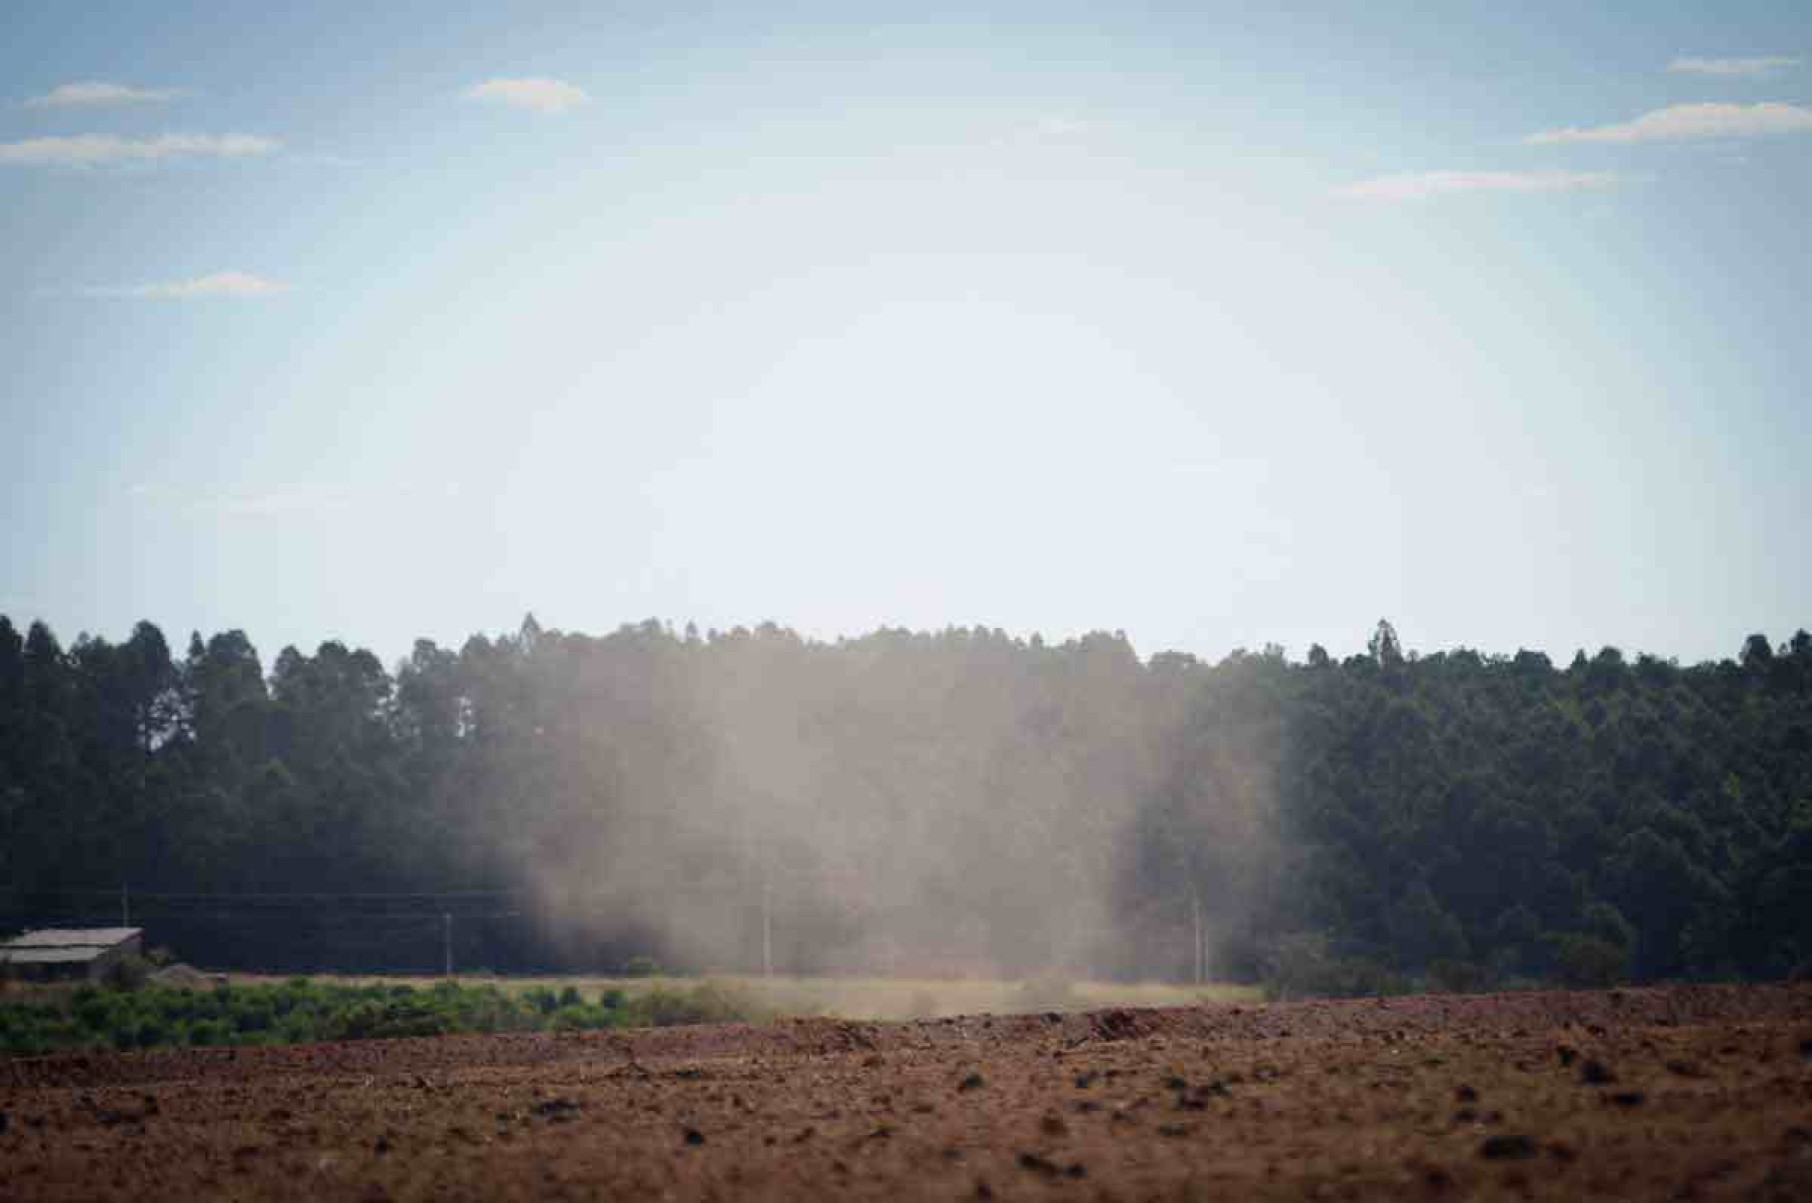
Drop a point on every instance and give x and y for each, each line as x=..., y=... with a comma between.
x=56, y=953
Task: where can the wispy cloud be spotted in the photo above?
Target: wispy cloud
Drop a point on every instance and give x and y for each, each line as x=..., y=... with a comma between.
x=550, y=97
x=1057, y=125
x=94, y=94
x=100, y=150
x=1423, y=185
x=1689, y=122
x=219, y=286
x=301, y=500
x=1762, y=64
x=1048, y=129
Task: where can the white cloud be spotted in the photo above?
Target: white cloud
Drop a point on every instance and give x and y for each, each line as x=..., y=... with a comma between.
x=1059, y=126
x=547, y=96
x=231, y=286
x=99, y=150
x=1684, y=122
x=284, y=501
x=94, y=94
x=1764, y=64
x=300, y=500
x=1421, y=185
x=1046, y=129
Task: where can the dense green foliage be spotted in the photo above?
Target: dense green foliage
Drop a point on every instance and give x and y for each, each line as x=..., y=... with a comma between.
x=301, y=1011
x=1465, y=820
x=925, y=803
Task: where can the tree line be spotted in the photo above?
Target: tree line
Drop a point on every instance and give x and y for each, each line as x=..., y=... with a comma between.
x=950, y=802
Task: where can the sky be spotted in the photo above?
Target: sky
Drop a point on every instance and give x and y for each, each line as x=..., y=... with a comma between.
x=1217, y=324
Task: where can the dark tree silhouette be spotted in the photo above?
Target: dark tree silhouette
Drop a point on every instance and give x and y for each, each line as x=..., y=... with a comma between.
x=950, y=801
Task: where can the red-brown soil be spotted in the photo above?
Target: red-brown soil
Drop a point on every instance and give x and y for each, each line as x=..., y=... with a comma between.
x=1690, y=1092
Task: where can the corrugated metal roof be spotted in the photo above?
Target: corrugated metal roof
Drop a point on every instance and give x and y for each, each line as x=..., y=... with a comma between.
x=72, y=937
x=48, y=956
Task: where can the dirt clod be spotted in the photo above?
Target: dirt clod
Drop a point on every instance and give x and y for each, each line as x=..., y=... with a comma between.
x=114, y=1116
x=1507, y=1146
x=1196, y=1099
x=558, y=1110
x=1046, y=1168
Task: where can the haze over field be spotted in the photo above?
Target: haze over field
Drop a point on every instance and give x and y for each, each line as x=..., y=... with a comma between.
x=1015, y=423
x=711, y=550
x=389, y=321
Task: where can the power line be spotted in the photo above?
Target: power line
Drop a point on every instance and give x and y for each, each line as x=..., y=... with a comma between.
x=294, y=895
x=266, y=916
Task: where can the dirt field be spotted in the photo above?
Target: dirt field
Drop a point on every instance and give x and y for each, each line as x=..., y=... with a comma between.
x=1687, y=1092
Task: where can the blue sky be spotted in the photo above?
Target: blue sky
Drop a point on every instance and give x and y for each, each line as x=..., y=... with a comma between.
x=1220, y=327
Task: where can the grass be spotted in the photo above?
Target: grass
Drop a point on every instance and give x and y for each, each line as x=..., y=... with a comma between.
x=253, y=1009
x=885, y=998
x=304, y=1010
x=924, y=998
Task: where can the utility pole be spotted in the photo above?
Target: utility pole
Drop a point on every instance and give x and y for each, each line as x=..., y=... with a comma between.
x=1195, y=907
x=446, y=941
x=767, y=927
x=125, y=906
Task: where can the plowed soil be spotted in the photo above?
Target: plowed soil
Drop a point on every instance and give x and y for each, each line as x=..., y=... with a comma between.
x=1692, y=1092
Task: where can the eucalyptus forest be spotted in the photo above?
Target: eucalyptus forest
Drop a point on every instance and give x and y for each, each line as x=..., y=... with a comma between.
x=955, y=802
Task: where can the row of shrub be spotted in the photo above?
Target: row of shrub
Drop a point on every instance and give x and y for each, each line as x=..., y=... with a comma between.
x=1307, y=966
x=302, y=1011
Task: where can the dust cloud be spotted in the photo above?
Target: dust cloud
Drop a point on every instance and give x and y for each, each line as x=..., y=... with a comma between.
x=964, y=804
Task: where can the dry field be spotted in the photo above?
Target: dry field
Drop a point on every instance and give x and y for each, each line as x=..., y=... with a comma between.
x=1689, y=1092
x=928, y=998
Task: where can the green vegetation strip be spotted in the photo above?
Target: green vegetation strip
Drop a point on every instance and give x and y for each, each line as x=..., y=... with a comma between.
x=302, y=1011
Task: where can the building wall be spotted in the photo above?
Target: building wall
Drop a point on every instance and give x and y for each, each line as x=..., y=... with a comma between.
x=97, y=968
x=94, y=968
